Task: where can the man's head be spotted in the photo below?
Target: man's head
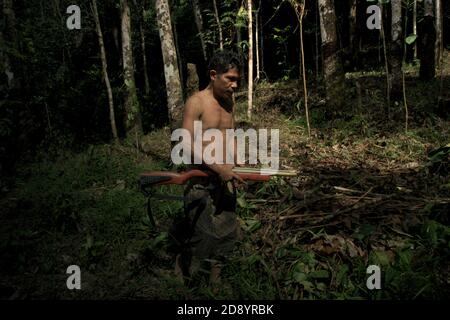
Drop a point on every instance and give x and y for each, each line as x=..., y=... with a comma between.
x=224, y=60
x=224, y=74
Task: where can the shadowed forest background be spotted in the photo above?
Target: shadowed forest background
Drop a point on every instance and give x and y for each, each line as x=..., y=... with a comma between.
x=363, y=114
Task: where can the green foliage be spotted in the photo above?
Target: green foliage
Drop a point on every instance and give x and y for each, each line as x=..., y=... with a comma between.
x=242, y=18
x=411, y=39
x=439, y=154
x=228, y=21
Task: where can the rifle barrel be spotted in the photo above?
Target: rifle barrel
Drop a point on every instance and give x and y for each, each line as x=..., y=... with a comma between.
x=267, y=171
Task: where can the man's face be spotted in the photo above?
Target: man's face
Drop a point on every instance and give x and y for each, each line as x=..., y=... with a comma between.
x=225, y=84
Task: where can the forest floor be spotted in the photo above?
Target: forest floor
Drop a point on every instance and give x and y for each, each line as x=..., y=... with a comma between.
x=368, y=193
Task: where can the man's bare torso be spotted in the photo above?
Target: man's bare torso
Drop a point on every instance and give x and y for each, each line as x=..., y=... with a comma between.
x=213, y=107
x=213, y=115
x=204, y=107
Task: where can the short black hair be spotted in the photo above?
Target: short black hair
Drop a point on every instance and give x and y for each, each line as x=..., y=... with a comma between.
x=224, y=60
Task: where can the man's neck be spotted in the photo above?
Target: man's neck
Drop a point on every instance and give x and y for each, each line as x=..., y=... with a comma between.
x=226, y=105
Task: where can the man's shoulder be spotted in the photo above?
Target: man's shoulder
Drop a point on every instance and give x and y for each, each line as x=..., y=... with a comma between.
x=197, y=100
x=199, y=95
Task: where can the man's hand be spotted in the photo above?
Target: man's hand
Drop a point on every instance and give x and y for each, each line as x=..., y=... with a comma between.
x=226, y=173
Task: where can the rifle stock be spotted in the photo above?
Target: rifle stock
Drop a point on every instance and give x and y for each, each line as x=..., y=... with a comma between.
x=167, y=177
x=157, y=178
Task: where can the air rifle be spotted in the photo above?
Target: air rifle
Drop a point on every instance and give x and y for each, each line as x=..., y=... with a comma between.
x=156, y=178
x=149, y=179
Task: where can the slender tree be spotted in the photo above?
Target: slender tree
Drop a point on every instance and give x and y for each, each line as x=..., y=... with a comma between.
x=439, y=39
x=415, y=27
x=177, y=45
x=440, y=51
x=171, y=73
x=199, y=24
x=396, y=49
x=10, y=37
x=261, y=37
x=405, y=102
x=98, y=28
x=257, y=49
x=144, y=51
x=133, y=122
x=219, y=24
x=250, y=59
x=238, y=25
x=386, y=65
x=353, y=28
x=333, y=71
x=300, y=11
x=316, y=43
x=427, y=38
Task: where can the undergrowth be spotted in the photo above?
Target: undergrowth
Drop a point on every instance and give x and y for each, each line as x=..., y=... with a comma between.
x=85, y=208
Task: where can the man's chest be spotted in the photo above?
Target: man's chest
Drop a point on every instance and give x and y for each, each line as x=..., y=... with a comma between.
x=217, y=118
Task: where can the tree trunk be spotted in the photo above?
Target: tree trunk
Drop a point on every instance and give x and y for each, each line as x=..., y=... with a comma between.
x=10, y=65
x=250, y=60
x=192, y=82
x=300, y=11
x=133, y=124
x=415, y=27
x=10, y=20
x=219, y=25
x=333, y=72
x=58, y=14
x=257, y=41
x=179, y=59
x=427, y=36
x=386, y=63
x=239, y=48
x=353, y=31
x=439, y=39
x=144, y=54
x=115, y=32
x=261, y=41
x=171, y=73
x=112, y=118
x=199, y=23
x=316, y=44
x=396, y=50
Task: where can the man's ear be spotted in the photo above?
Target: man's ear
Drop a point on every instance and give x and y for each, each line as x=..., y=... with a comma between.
x=212, y=75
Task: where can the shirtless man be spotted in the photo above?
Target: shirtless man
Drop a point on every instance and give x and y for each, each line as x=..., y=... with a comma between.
x=216, y=228
x=214, y=105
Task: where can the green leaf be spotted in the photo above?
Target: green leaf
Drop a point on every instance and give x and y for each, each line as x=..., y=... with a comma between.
x=320, y=274
x=241, y=202
x=342, y=275
x=411, y=38
x=300, y=277
x=162, y=237
x=381, y=258
x=438, y=155
x=252, y=225
x=253, y=259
